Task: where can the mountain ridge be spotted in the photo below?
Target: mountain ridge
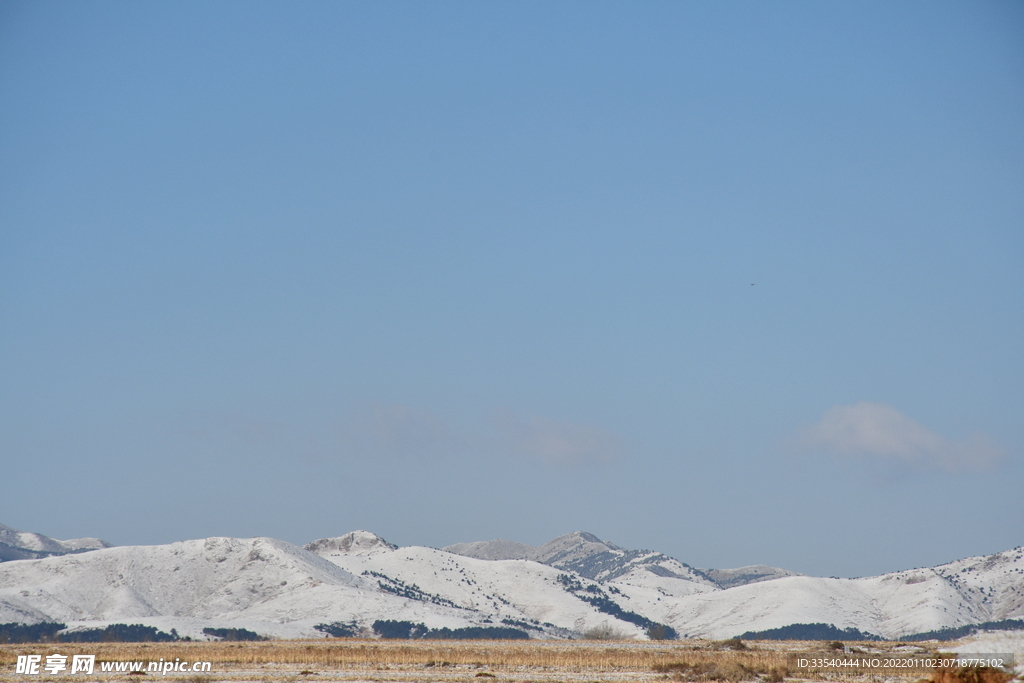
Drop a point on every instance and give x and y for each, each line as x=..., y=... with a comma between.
x=589, y=556
x=28, y=545
x=279, y=589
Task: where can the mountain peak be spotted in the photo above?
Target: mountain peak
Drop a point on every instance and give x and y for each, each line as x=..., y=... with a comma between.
x=586, y=554
x=576, y=541
x=353, y=543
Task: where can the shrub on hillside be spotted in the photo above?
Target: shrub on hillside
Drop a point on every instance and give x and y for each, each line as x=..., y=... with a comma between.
x=233, y=634
x=604, y=632
x=661, y=632
x=477, y=633
x=29, y=633
x=119, y=633
x=340, y=629
x=398, y=630
x=809, y=632
x=958, y=632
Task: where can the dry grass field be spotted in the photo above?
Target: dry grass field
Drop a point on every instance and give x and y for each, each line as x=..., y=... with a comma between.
x=425, y=661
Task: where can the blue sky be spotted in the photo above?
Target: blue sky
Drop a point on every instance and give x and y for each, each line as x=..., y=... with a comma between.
x=740, y=282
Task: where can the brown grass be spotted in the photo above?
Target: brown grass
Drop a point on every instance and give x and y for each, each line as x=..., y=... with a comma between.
x=970, y=675
x=657, y=660
x=345, y=652
x=720, y=664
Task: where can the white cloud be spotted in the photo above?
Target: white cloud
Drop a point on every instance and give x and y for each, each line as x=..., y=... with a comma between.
x=881, y=431
x=553, y=441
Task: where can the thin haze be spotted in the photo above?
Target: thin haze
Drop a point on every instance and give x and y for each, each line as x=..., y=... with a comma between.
x=739, y=282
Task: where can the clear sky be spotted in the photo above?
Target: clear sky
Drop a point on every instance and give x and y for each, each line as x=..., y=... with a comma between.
x=740, y=282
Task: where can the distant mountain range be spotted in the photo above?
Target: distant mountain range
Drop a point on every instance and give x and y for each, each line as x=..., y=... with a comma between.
x=590, y=557
x=25, y=545
x=564, y=588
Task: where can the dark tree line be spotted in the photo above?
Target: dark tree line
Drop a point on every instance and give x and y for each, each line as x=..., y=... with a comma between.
x=407, y=630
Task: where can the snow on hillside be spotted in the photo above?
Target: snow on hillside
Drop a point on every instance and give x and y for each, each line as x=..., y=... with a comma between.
x=352, y=543
x=262, y=584
x=666, y=591
x=967, y=591
x=278, y=589
x=994, y=582
x=26, y=545
x=521, y=592
x=728, y=578
x=498, y=549
x=590, y=557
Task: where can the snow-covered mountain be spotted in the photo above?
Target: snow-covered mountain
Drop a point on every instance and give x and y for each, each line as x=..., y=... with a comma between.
x=589, y=556
x=26, y=545
x=755, y=573
x=969, y=591
x=262, y=584
x=278, y=589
